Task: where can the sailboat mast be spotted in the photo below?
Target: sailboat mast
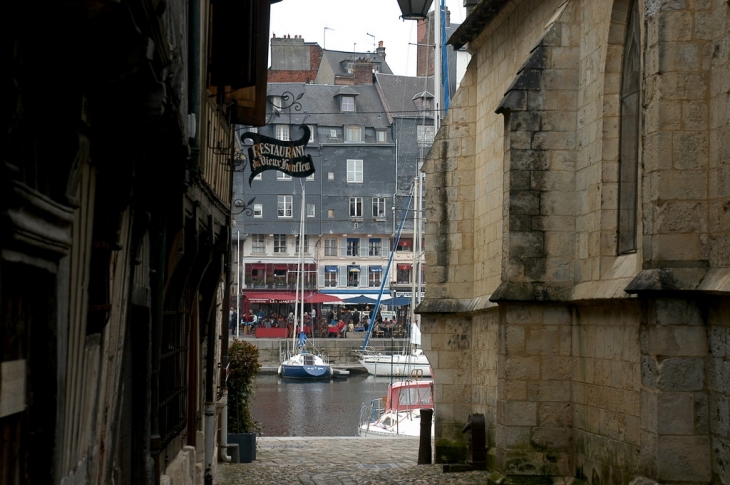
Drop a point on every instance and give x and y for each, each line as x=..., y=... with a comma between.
x=384, y=277
x=300, y=283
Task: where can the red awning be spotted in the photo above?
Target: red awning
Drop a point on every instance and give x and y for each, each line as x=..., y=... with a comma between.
x=289, y=296
x=404, y=266
x=321, y=298
x=270, y=295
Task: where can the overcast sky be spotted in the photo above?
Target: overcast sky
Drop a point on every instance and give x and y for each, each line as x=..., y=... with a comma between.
x=350, y=22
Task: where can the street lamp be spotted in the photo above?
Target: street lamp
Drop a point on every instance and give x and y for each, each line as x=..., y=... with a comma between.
x=414, y=9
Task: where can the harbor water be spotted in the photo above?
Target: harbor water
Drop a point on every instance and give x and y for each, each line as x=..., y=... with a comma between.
x=286, y=407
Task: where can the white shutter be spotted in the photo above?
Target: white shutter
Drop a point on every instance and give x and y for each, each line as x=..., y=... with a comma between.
x=364, y=242
x=342, y=275
x=343, y=247
x=364, y=276
x=320, y=277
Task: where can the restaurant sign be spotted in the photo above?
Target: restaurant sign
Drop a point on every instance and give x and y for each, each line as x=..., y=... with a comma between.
x=268, y=153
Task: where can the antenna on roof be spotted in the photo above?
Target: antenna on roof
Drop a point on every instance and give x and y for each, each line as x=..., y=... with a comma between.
x=371, y=35
x=324, y=46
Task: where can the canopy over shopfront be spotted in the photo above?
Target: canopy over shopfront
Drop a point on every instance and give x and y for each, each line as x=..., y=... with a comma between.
x=289, y=297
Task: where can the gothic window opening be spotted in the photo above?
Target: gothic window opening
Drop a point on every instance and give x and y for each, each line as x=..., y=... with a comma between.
x=629, y=137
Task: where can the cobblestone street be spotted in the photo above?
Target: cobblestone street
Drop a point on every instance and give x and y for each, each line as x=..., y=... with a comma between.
x=340, y=461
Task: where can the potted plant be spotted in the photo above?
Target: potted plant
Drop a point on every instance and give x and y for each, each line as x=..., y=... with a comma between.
x=270, y=281
x=243, y=362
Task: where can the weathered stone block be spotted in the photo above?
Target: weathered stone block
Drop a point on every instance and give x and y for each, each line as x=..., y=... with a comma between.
x=514, y=339
x=543, y=340
x=681, y=374
x=551, y=439
x=524, y=202
x=526, y=244
x=518, y=413
x=528, y=160
x=556, y=391
x=523, y=463
x=672, y=311
x=516, y=437
x=557, y=368
x=675, y=413
x=554, y=414
x=680, y=341
x=684, y=458
x=524, y=121
x=521, y=368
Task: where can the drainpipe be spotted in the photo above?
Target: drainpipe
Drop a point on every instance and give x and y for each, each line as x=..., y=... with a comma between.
x=157, y=285
x=194, y=68
x=223, y=448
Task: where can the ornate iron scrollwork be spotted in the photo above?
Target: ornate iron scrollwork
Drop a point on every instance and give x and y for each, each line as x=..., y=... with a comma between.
x=246, y=207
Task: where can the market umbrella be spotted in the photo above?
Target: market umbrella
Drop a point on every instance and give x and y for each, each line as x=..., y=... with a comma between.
x=359, y=299
x=321, y=298
x=397, y=301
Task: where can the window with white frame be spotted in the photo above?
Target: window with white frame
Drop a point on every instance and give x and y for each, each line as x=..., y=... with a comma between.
x=354, y=171
x=425, y=134
x=311, y=210
x=374, y=273
x=279, y=243
x=330, y=246
x=282, y=176
x=330, y=276
x=353, y=246
x=282, y=132
x=330, y=213
x=347, y=103
x=378, y=207
x=381, y=136
x=276, y=103
x=333, y=133
x=258, y=210
x=258, y=243
x=353, y=276
x=330, y=175
x=284, y=205
x=375, y=247
x=355, y=206
x=312, y=133
x=306, y=244
x=353, y=134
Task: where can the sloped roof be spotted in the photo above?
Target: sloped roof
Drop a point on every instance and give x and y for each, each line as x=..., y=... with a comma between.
x=320, y=106
x=398, y=93
x=338, y=59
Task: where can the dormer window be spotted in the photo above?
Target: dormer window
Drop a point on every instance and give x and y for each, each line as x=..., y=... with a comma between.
x=276, y=103
x=347, y=103
x=423, y=101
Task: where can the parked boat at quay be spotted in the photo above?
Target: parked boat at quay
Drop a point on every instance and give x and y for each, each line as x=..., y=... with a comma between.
x=305, y=365
x=300, y=363
x=399, y=413
x=413, y=364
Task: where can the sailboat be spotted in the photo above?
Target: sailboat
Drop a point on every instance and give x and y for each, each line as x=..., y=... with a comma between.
x=300, y=363
x=409, y=362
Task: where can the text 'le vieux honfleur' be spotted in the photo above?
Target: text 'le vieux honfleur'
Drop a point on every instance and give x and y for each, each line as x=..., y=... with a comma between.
x=268, y=153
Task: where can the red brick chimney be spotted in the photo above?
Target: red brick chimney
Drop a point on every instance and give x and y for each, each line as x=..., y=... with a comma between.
x=380, y=50
x=363, y=70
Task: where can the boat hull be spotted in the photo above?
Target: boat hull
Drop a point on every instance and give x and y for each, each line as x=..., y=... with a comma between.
x=399, y=365
x=306, y=371
x=408, y=424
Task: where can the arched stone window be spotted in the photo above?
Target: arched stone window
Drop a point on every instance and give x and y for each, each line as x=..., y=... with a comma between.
x=629, y=138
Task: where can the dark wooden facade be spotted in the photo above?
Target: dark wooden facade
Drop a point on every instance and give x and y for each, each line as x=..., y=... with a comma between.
x=115, y=189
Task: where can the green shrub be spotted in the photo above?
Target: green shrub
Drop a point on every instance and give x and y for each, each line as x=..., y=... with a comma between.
x=243, y=361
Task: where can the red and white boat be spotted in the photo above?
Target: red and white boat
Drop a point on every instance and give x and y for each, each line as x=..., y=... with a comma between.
x=399, y=413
